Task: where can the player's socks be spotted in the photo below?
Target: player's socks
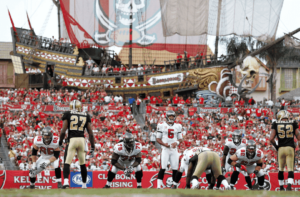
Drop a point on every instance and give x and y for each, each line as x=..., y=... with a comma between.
x=174, y=174
x=58, y=174
x=261, y=181
x=66, y=173
x=110, y=176
x=108, y=183
x=281, y=180
x=139, y=184
x=177, y=178
x=234, y=178
x=160, y=177
x=83, y=173
x=291, y=177
x=138, y=176
x=248, y=181
x=32, y=180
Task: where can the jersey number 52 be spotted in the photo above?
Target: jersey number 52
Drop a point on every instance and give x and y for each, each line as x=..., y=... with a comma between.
x=74, y=123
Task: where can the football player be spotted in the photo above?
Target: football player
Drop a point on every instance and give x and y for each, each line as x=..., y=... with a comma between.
x=76, y=122
x=184, y=164
x=231, y=146
x=49, y=148
x=202, y=161
x=247, y=160
x=126, y=157
x=285, y=130
x=169, y=137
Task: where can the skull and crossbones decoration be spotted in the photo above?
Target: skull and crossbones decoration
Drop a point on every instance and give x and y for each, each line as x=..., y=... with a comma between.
x=249, y=69
x=124, y=9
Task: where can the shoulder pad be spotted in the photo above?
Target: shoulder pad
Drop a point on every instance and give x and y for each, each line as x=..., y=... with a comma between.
x=229, y=140
x=244, y=141
x=118, y=147
x=55, y=140
x=38, y=141
x=243, y=150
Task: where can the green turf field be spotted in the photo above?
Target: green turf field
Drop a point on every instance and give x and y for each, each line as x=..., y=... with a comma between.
x=139, y=192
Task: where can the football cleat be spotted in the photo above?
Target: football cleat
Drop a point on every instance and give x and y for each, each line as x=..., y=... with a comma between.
x=65, y=187
x=282, y=188
x=174, y=187
x=30, y=187
x=59, y=185
x=289, y=187
x=106, y=187
x=139, y=187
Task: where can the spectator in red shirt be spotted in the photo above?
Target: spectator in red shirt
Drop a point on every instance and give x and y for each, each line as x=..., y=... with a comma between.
x=201, y=100
x=159, y=101
x=188, y=100
x=153, y=100
x=258, y=112
x=179, y=58
x=175, y=100
x=242, y=102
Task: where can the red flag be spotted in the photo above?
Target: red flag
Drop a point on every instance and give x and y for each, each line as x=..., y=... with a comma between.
x=12, y=23
x=29, y=21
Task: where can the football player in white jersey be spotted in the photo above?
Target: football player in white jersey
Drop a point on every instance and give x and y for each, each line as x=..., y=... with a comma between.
x=126, y=157
x=184, y=164
x=231, y=146
x=169, y=136
x=49, y=148
x=247, y=160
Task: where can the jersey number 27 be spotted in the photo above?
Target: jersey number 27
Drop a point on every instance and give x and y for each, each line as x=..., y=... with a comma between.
x=74, y=122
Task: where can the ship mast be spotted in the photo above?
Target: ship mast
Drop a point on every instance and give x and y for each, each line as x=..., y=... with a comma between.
x=57, y=3
x=218, y=28
x=130, y=36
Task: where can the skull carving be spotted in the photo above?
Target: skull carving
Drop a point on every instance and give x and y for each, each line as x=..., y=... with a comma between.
x=123, y=6
x=250, y=68
x=169, y=182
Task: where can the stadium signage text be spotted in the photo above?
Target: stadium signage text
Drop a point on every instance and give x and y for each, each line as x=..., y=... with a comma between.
x=166, y=79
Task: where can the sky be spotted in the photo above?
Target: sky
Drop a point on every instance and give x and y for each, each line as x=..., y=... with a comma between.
x=43, y=17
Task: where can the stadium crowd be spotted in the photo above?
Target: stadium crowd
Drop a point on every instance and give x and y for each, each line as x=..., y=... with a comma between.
x=202, y=128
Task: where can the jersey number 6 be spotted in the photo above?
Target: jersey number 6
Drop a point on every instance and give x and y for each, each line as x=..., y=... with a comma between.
x=170, y=133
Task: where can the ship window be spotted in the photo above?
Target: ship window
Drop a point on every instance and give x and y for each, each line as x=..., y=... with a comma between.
x=141, y=78
x=118, y=79
x=167, y=93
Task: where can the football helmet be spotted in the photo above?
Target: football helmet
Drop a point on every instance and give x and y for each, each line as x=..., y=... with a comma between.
x=128, y=142
x=283, y=114
x=237, y=137
x=47, y=136
x=250, y=149
x=168, y=114
x=75, y=105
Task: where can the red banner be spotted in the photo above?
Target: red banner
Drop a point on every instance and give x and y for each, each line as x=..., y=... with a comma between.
x=20, y=179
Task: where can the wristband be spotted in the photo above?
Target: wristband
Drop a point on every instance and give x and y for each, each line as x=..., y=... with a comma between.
x=177, y=143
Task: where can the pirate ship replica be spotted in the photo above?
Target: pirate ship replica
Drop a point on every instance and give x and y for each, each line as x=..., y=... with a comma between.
x=185, y=76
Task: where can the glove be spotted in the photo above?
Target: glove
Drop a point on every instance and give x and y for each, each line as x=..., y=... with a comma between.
x=238, y=165
x=33, y=167
x=223, y=170
x=45, y=164
x=91, y=154
x=195, y=184
x=243, y=168
x=255, y=172
x=61, y=147
x=127, y=172
x=130, y=169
